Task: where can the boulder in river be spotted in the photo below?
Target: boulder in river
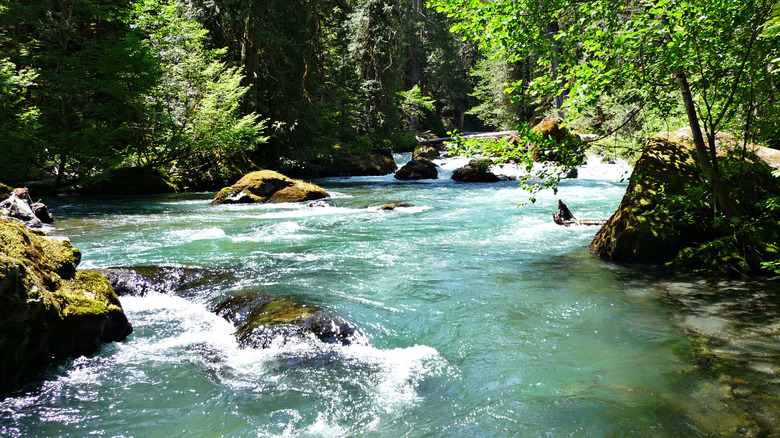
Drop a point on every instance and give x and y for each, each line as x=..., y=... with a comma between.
x=141, y=280
x=394, y=205
x=268, y=186
x=262, y=320
x=658, y=220
x=477, y=170
x=48, y=310
x=418, y=168
x=426, y=151
x=19, y=205
x=553, y=129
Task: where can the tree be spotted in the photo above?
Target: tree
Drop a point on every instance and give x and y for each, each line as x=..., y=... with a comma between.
x=193, y=113
x=650, y=47
x=91, y=73
x=18, y=122
x=413, y=104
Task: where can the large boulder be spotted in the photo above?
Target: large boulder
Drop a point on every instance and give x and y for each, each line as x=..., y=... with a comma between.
x=48, y=310
x=418, y=168
x=639, y=231
x=262, y=320
x=5, y=190
x=553, y=129
x=665, y=213
x=429, y=152
x=132, y=181
x=268, y=186
x=478, y=170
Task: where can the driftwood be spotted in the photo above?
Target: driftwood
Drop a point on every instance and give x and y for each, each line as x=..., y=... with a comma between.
x=481, y=135
x=19, y=206
x=493, y=136
x=565, y=217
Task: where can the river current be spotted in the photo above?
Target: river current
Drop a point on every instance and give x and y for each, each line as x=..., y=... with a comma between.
x=484, y=319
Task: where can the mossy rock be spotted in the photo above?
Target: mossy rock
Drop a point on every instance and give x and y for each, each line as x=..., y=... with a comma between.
x=132, y=181
x=665, y=215
x=5, y=191
x=262, y=319
x=267, y=186
x=48, y=310
x=638, y=231
x=552, y=127
x=425, y=151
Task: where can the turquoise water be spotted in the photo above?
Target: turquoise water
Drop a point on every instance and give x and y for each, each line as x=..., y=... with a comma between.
x=484, y=320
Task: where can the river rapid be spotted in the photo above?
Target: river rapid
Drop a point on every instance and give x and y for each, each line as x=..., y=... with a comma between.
x=483, y=319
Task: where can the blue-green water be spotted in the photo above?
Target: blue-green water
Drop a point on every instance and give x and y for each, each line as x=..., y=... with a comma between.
x=484, y=319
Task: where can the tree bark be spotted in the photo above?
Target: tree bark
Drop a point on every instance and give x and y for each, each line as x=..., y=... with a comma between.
x=722, y=195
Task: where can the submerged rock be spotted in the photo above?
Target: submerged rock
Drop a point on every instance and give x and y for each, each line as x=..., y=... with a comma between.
x=478, y=170
x=418, y=168
x=393, y=206
x=262, y=319
x=48, y=310
x=268, y=186
x=141, y=280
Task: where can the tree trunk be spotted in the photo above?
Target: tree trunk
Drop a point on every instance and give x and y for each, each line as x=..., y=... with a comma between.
x=722, y=195
x=552, y=29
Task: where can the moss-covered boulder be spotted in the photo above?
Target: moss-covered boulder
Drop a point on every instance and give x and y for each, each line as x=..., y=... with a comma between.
x=639, y=231
x=48, y=310
x=418, y=168
x=132, y=181
x=5, y=190
x=268, y=186
x=552, y=129
x=426, y=151
x=475, y=171
x=262, y=320
x=666, y=213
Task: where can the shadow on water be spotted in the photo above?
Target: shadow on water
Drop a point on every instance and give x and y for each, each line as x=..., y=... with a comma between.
x=730, y=378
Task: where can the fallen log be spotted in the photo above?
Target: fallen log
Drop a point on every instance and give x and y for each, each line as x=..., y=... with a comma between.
x=565, y=217
x=481, y=136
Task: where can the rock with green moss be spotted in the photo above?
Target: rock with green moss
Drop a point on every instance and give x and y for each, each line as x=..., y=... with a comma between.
x=552, y=128
x=426, y=151
x=639, y=231
x=268, y=186
x=665, y=216
x=262, y=320
x=5, y=190
x=48, y=310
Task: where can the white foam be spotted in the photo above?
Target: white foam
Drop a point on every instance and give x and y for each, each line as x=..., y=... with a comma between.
x=191, y=235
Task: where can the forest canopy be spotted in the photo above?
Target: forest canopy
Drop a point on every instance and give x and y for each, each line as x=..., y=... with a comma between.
x=88, y=86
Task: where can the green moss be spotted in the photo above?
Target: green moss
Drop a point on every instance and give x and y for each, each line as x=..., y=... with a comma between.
x=5, y=191
x=47, y=309
x=268, y=186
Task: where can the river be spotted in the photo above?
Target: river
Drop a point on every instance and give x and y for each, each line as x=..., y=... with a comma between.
x=484, y=319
